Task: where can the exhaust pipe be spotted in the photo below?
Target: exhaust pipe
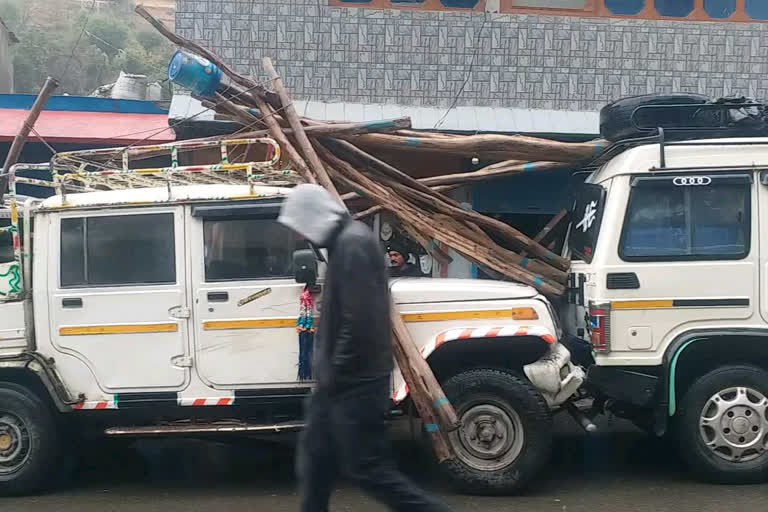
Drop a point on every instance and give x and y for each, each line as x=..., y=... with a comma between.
x=580, y=418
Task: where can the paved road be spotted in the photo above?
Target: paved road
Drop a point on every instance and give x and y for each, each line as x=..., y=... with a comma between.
x=621, y=472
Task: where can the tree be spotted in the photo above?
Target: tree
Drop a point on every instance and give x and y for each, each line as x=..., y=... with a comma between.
x=84, y=49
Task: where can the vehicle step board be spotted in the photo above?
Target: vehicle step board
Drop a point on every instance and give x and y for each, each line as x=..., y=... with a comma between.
x=204, y=428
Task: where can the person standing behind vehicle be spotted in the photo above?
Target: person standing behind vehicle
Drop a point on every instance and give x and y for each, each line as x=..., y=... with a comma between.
x=346, y=430
x=398, y=263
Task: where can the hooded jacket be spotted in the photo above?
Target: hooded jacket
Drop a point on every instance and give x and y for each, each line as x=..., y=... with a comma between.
x=353, y=342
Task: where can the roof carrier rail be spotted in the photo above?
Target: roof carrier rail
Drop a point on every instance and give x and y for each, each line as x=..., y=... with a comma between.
x=92, y=170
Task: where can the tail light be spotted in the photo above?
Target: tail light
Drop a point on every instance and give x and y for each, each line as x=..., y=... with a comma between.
x=600, y=326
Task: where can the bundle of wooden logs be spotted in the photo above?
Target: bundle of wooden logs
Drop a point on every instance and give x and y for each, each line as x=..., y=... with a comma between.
x=340, y=156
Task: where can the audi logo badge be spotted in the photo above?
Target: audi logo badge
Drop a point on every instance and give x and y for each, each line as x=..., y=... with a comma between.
x=692, y=181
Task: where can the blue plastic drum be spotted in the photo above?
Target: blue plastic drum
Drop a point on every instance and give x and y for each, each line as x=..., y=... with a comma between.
x=195, y=73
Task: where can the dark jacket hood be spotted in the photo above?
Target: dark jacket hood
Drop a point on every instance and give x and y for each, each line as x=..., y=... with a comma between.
x=313, y=213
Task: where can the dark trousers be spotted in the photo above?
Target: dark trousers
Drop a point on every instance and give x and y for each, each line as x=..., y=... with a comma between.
x=347, y=435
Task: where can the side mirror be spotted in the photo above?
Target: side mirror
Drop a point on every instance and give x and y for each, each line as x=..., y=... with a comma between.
x=305, y=266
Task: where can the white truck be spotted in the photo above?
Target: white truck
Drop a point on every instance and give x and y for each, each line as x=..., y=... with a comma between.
x=673, y=279
x=151, y=310
x=171, y=311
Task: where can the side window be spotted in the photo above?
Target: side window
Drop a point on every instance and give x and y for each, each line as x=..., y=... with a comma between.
x=118, y=250
x=6, y=241
x=242, y=249
x=687, y=218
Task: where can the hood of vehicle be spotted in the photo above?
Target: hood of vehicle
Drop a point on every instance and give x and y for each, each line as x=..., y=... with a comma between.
x=418, y=290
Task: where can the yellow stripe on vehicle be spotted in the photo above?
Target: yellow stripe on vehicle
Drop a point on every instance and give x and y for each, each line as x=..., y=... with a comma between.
x=118, y=329
x=217, y=325
x=642, y=304
x=266, y=323
x=513, y=313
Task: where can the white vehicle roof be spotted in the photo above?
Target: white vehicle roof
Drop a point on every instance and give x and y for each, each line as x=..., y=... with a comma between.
x=178, y=194
x=705, y=153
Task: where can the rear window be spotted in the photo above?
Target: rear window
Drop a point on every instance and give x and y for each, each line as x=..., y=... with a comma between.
x=118, y=250
x=687, y=218
x=587, y=216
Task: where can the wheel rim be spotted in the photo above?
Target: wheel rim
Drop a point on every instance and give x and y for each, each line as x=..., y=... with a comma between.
x=15, y=443
x=734, y=424
x=490, y=437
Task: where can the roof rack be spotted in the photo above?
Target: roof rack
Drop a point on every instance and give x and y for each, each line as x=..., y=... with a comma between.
x=93, y=170
x=96, y=169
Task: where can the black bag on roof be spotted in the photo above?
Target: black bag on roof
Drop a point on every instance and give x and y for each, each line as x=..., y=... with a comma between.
x=683, y=117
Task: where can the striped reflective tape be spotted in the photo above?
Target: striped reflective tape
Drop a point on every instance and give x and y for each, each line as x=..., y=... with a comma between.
x=488, y=332
x=95, y=405
x=475, y=333
x=206, y=402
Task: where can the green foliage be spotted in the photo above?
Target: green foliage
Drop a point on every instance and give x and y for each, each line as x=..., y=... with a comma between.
x=115, y=39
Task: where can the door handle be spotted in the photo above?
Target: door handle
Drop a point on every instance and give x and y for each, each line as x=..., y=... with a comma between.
x=218, y=297
x=72, y=302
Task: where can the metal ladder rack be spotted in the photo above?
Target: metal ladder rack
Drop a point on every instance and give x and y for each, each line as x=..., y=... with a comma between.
x=92, y=170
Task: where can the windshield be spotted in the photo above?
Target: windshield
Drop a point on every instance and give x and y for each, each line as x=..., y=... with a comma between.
x=587, y=214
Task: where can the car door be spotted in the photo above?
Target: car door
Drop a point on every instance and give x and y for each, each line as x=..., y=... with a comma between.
x=246, y=300
x=686, y=257
x=118, y=301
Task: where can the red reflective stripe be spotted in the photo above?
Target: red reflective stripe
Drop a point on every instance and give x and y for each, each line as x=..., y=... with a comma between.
x=466, y=333
x=522, y=331
x=199, y=401
x=548, y=338
x=224, y=401
x=493, y=332
x=440, y=339
x=79, y=406
x=101, y=405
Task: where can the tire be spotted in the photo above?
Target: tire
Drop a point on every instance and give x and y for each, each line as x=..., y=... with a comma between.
x=715, y=398
x=507, y=463
x=28, y=442
x=616, y=117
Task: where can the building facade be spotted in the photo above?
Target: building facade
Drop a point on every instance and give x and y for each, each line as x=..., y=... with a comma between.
x=576, y=55
x=526, y=66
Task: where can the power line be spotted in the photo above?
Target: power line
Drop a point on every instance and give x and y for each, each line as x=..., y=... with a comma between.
x=79, y=38
x=468, y=76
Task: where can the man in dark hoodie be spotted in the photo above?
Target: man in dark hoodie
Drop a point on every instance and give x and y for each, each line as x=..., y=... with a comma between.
x=346, y=430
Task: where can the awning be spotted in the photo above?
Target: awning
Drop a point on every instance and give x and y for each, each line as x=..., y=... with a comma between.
x=89, y=127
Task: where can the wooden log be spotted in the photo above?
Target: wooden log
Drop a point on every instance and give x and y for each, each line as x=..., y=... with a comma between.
x=298, y=130
x=448, y=206
x=417, y=373
x=500, y=170
x=507, y=147
x=421, y=398
x=240, y=114
x=377, y=208
x=421, y=220
x=338, y=129
x=543, y=235
x=176, y=39
x=277, y=133
x=20, y=139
